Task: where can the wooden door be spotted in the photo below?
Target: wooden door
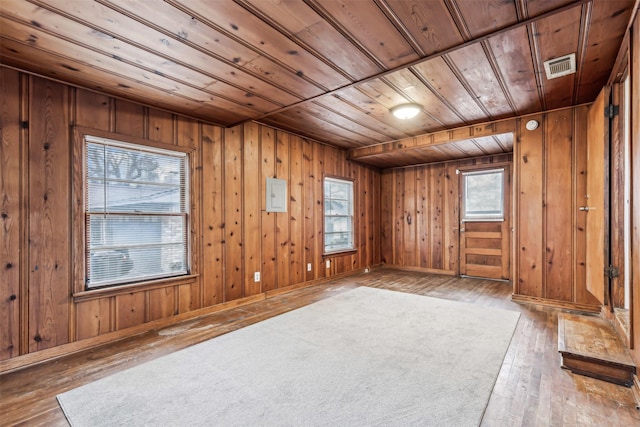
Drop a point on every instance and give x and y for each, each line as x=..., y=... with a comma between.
x=594, y=203
x=485, y=241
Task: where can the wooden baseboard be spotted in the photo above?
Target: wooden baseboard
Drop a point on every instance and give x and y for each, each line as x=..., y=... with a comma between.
x=554, y=303
x=30, y=359
x=420, y=269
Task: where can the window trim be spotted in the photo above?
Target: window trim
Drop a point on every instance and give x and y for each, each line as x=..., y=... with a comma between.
x=354, y=247
x=79, y=267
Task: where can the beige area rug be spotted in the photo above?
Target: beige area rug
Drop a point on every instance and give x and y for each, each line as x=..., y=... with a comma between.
x=366, y=357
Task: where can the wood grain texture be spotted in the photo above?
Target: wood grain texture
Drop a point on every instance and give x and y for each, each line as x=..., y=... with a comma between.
x=10, y=208
x=597, y=130
x=270, y=253
x=529, y=154
x=228, y=168
x=252, y=195
x=526, y=390
x=234, y=277
x=635, y=188
x=558, y=206
x=213, y=273
x=49, y=212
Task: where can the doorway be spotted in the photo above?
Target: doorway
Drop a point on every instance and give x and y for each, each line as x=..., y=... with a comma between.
x=485, y=221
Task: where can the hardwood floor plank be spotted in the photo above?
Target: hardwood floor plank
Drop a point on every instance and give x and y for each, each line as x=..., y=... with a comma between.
x=531, y=388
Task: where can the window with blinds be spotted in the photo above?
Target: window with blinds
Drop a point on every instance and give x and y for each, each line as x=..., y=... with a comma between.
x=136, y=212
x=338, y=215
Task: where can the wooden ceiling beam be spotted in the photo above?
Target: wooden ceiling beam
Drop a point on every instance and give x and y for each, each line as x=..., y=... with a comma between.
x=528, y=21
x=436, y=138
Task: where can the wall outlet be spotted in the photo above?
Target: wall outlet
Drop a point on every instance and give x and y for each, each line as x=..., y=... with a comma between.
x=328, y=263
x=256, y=276
x=309, y=267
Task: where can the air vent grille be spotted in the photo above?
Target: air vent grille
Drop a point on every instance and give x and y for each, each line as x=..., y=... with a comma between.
x=559, y=67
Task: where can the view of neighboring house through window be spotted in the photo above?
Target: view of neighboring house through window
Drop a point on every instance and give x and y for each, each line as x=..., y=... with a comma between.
x=483, y=195
x=136, y=212
x=338, y=215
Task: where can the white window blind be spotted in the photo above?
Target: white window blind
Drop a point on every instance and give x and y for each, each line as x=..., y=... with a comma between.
x=136, y=212
x=338, y=215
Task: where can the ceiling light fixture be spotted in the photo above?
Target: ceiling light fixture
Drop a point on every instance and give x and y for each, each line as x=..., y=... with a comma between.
x=406, y=111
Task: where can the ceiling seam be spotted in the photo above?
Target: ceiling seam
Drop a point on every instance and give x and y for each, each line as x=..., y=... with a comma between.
x=135, y=44
x=493, y=62
x=402, y=29
x=293, y=37
x=126, y=61
x=321, y=11
x=193, y=46
x=585, y=24
x=526, y=22
x=300, y=74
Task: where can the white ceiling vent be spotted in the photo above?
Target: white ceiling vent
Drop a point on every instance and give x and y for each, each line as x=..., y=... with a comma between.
x=559, y=67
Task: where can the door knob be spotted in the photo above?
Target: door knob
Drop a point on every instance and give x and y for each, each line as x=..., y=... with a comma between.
x=586, y=208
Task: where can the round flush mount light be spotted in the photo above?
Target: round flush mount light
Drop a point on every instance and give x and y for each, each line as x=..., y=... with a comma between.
x=532, y=125
x=406, y=111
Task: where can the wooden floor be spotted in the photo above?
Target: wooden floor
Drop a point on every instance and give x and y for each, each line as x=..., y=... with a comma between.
x=531, y=389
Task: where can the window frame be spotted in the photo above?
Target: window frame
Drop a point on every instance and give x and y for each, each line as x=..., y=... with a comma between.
x=80, y=242
x=465, y=217
x=352, y=216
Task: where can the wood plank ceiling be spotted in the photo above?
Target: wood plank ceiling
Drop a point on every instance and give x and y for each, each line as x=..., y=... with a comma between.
x=328, y=70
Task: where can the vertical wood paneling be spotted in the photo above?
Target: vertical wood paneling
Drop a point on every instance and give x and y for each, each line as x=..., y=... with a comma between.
x=95, y=111
x=377, y=209
x=93, y=318
x=530, y=158
x=162, y=303
x=49, y=213
x=268, y=221
x=10, y=202
x=386, y=217
x=308, y=203
x=437, y=214
x=430, y=195
x=161, y=126
x=451, y=247
x=558, y=205
x=409, y=217
x=188, y=135
x=252, y=195
x=296, y=206
x=130, y=310
x=634, y=47
x=228, y=171
x=129, y=118
x=283, y=222
x=318, y=165
x=423, y=217
x=213, y=215
x=233, y=213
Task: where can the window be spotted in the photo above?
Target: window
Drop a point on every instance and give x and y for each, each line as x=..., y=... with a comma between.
x=338, y=215
x=136, y=212
x=483, y=198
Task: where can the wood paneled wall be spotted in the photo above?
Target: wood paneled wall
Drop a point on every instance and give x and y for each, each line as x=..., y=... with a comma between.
x=550, y=178
x=232, y=234
x=634, y=48
x=419, y=216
